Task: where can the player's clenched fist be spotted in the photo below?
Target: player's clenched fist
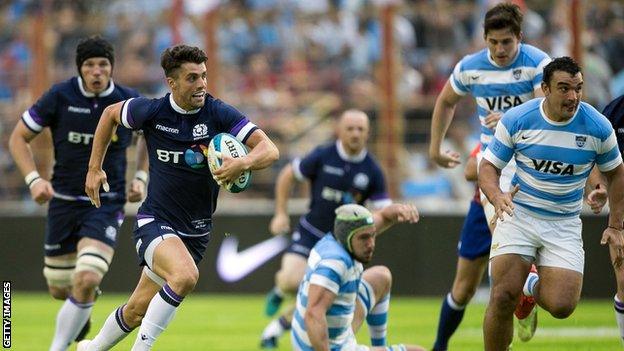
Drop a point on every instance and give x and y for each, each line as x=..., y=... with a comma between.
x=41, y=191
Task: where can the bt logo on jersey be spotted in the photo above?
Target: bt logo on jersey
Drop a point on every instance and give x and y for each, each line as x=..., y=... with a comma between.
x=79, y=138
x=168, y=156
x=195, y=156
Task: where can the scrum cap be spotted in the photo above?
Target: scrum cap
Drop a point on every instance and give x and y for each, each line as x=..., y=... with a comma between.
x=349, y=219
x=94, y=46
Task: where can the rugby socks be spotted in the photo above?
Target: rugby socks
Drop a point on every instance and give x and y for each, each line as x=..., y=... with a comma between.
x=69, y=321
x=451, y=315
x=619, y=315
x=530, y=283
x=159, y=314
x=377, y=320
x=276, y=328
x=113, y=331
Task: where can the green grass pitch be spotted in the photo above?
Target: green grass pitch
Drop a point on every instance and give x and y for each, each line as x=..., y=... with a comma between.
x=220, y=322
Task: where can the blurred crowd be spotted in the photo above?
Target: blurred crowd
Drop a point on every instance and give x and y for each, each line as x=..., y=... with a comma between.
x=291, y=65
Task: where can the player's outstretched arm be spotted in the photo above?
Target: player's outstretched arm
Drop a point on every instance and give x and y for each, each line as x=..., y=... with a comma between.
x=19, y=145
x=96, y=176
x=319, y=301
x=613, y=235
x=393, y=214
x=443, y=113
x=139, y=182
x=263, y=154
x=280, y=223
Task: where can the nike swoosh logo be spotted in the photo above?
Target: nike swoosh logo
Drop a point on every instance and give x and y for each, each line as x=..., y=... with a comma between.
x=233, y=265
x=475, y=77
x=524, y=137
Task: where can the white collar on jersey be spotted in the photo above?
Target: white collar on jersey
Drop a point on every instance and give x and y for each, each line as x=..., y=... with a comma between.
x=346, y=157
x=555, y=123
x=107, y=92
x=179, y=109
x=510, y=63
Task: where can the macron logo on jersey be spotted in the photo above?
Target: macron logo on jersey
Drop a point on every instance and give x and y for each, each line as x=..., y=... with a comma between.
x=168, y=129
x=78, y=109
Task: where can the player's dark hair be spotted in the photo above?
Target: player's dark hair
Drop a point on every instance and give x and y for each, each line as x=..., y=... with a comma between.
x=94, y=46
x=501, y=16
x=173, y=58
x=565, y=64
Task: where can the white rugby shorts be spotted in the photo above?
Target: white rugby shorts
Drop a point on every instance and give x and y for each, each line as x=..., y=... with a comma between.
x=553, y=243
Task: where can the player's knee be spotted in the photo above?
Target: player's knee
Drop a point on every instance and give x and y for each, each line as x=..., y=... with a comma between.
x=183, y=282
x=383, y=278
x=92, y=264
x=58, y=274
x=562, y=310
x=463, y=292
x=59, y=293
x=286, y=281
x=504, y=298
x=86, y=281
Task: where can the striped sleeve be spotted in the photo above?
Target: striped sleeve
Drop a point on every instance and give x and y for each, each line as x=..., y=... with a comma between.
x=328, y=273
x=500, y=150
x=458, y=80
x=539, y=73
x=32, y=120
x=609, y=155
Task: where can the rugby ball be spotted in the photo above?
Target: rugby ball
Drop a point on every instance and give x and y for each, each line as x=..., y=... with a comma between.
x=227, y=144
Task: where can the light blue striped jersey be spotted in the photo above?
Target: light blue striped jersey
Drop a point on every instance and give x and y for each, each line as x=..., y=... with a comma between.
x=496, y=88
x=553, y=158
x=331, y=267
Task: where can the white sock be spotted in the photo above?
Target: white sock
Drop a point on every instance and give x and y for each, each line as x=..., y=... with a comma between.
x=529, y=284
x=619, y=314
x=69, y=321
x=278, y=291
x=112, y=332
x=274, y=329
x=159, y=313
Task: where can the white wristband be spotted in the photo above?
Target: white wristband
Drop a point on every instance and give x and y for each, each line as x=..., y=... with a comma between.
x=141, y=175
x=31, y=178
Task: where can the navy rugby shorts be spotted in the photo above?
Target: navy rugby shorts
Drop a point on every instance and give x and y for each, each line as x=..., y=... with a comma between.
x=475, y=236
x=70, y=221
x=144, y=234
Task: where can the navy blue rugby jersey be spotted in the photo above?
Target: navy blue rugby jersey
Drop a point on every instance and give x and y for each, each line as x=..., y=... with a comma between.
x=181, y=189
x=615, y=113
x=337, y=179
x=72, y=114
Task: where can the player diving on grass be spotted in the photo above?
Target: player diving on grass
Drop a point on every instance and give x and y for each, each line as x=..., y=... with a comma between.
x=339, y=173
x=333, y=295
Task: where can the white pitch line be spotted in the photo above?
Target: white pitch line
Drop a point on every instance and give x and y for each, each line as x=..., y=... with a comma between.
x=565, y=332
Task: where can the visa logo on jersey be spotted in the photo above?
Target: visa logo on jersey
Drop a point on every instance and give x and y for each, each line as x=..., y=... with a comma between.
x=553, y=167
x=502, y=103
